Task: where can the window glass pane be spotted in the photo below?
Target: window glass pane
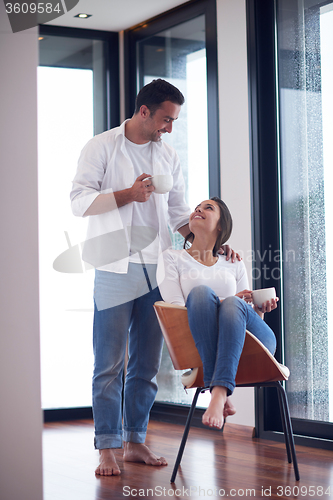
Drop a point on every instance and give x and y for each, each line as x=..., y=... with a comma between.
x=326, y=47
x=179, y=56
x=305, y=48
x=69, y=73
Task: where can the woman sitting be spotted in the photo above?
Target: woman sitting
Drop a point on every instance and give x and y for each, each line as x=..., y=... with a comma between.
x=215, y=292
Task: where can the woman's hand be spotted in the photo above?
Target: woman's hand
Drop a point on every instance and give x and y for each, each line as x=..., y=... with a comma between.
x=245, y=295
x=268, y=306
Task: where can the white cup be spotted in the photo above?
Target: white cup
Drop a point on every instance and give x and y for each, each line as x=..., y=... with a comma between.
x=262, y=295
x=162, y=183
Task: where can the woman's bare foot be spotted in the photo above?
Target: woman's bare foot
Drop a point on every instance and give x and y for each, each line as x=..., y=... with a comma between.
x=107, y=464
x=139, y=452
x=229, y=408
x=214, y=415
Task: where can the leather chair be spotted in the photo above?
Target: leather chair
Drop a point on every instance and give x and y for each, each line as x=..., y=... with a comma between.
x=257, y=368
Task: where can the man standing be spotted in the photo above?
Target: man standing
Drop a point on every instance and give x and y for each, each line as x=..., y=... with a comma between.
x=112, y=186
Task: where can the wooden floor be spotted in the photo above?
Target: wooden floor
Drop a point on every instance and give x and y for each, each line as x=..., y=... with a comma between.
x=214, y=464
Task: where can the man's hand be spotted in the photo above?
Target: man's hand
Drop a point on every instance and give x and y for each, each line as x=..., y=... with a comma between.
x=141, y=190
x=229, y=252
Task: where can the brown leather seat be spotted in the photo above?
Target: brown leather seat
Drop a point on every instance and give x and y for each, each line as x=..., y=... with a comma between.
x=257, y=367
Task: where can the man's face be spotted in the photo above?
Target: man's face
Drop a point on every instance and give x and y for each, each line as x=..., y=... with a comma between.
x=161, y=121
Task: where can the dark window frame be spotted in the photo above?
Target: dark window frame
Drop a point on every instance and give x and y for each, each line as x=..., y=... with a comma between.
x=264, y=151
x=111, y=40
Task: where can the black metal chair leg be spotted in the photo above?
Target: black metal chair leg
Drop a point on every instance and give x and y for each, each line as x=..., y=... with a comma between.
x=284, y=424
x=186, y=431
x=289, y=429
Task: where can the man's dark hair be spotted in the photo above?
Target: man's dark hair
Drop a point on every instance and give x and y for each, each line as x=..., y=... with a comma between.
x=155, y=93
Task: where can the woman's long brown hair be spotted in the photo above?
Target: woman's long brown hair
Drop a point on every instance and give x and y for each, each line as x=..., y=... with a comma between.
x=225, y=224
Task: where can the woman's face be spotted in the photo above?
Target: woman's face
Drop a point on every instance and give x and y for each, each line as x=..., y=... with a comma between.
x=206, y=216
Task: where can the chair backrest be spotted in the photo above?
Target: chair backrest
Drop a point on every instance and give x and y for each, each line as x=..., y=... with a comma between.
x=255, y=365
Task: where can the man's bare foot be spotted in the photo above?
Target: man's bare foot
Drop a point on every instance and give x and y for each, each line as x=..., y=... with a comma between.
x=229, y=408
x=139, y=452
x=107, y=464
x=214, y=415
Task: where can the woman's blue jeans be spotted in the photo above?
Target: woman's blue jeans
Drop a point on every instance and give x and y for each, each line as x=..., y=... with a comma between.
x=121, y=411
x=218, y=329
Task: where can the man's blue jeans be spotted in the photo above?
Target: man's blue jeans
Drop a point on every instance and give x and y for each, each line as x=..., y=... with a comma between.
x=135, y=319
x=218, y=329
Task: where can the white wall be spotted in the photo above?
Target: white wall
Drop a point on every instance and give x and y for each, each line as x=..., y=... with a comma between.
x=20, y=415
x=234, y=149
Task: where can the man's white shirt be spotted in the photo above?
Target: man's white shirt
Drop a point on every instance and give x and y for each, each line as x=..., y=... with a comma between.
x=107, y=165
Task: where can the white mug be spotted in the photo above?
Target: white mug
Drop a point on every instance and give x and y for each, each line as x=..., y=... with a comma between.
x=262, y=295
x=162, y=183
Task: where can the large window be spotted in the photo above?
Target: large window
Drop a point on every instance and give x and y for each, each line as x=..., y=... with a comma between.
x=305, y=63
x=291, y=76
x=72, y=107
x=179, y=48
